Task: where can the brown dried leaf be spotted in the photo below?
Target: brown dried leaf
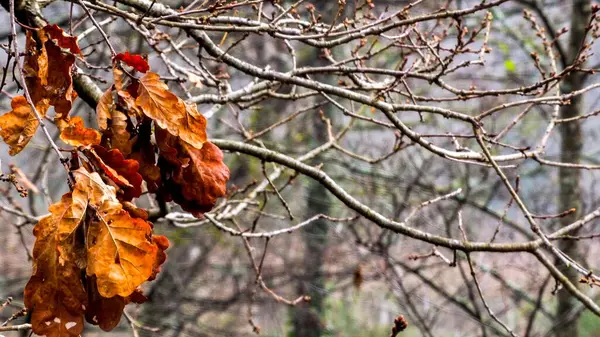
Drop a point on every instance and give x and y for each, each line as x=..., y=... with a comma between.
x=121, y=253
x=115, y=133
x=76, y=134
x=193, y=178
x=55, y=293
x=104, y=108
x=47, y=72
x=124, y=172
x=19, y=125
x=170, y=112
x=102, y=311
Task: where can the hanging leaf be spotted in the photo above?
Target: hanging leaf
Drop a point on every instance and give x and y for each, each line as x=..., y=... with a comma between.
x=124, y=172
x=193, y=178
x=55, y=293
x=137, y=62
x=107, y=312
x=170, y=112
x=162, y=243
x=58, y=84
x=35, y=66
x=76, y=134
x=104, y=108
x=47, y=72
x=116, y=134
x=121, y=253
x=19, y=125
x=61, y=39
x=104, y=312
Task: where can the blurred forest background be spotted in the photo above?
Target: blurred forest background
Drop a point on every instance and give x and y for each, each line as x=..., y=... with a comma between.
x=525, y=69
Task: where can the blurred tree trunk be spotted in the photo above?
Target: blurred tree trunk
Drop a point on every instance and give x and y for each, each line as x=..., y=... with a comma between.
x=308, y=319
x=569, y=179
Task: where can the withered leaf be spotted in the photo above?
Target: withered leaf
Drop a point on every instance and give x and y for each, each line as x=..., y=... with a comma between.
x=104, y=109
x=104, y=312
x=169, y=111
x=193, y=178
x=162, y=243
x=47, y=72
x=76, y=134
x=55, y=292
x=91, y=184
x=116, y=133
x=56, y=80
x=121, y=253
x=35, y=67
x=135, y=61
x=107, y=312
x=61, y=39
x=19, y=125
x=127, y=176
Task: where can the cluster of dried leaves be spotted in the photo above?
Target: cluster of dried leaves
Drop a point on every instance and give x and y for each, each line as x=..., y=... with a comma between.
x=96, y=247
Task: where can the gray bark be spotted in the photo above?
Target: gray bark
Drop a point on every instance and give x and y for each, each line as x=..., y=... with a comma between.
x=307, y=320
x=569, y=179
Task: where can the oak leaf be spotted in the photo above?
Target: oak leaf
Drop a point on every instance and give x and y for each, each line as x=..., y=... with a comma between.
x=107, y=312
x=135, y=61
x=104, y=109
x=58, y=83
x=76, y=134
x=162, y=243
x=121, y=253
x=47, y=72
x=55, y=293
x=35, y=67
x=169, y=111
x=193, y=178
x=18, y=126
x=61, y=39
x=116, y=133
x=124, y=172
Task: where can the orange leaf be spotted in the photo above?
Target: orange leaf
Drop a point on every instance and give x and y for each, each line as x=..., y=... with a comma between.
x=162, y=243
x=121, y=253
x=54, y=292
x=75, y=134
x=36, y=65
x=127, y=176
x=62, y=40
x=58, y=84
x=134, y=211
x=48, y=70
x=118, y=179
x=92, y=186
x=116, y=132
x=104, y=109
x=19, y=125
x=169, y=111
x=193, y=178
x=136, y=61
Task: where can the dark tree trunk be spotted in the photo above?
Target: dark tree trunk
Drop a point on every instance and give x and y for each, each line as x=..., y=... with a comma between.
x=569, y=179
x=308, y=318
